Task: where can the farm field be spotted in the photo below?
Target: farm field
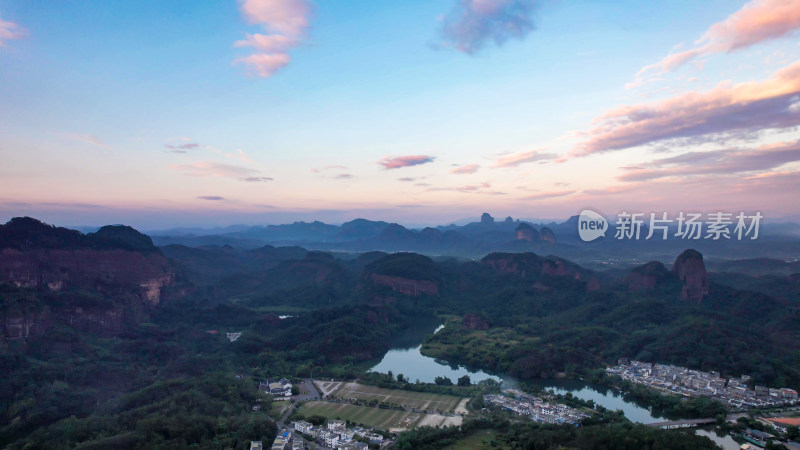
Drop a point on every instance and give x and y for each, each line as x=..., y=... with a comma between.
x=387, y=419
x=408, y=399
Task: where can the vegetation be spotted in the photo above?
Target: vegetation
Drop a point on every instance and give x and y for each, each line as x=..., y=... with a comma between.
x=538, y=436
x=168, y=377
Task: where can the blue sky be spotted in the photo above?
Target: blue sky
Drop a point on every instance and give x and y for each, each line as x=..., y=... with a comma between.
x=138, y=112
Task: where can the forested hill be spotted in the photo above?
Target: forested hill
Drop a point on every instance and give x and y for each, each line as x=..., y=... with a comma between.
x=82, y=340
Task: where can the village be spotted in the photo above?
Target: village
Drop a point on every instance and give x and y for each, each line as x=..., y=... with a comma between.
x=736, y=393
x=335, y=435
x=535, y=408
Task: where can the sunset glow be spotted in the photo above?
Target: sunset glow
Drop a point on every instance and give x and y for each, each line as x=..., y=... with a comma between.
x=157, y=113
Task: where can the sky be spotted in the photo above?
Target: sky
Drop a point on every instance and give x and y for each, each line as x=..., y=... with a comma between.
x=183, y=113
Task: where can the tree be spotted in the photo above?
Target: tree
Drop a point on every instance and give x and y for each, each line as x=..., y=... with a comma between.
x=792, y=432
x=295, y=390
x=400, y=377
x=443, y=381
x=464, y=381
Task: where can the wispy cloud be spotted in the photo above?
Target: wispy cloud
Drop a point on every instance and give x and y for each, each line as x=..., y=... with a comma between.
x=211, y=197
x=86, y=139
x=344, y=176
x=471, y=24
x=181, y=148
x=723, y=162
x=331, y=167
x=219, y=170
x=10, y=31
x=465, y=170
x=515, y=159
x=286, y=21
x=548, y=195
x=239, y=154
x=467, y=188
x=397, y=162
x=756, y=21
x=726, y=109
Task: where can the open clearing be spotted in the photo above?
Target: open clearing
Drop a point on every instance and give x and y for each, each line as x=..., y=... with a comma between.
x=387, y=419
x=408, y=399
x=438, y=420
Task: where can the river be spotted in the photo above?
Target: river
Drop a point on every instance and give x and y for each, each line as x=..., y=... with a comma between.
x=405, y=358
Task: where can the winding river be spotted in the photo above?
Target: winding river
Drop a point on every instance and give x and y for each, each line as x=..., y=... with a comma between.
x=405, y=358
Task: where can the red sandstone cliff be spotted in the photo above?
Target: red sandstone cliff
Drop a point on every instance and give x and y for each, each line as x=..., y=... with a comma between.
x=405, y=285
x=691, y=271
x=147, y=274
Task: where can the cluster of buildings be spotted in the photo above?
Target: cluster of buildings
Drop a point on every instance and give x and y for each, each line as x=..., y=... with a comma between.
x=535, y=408
x=284, y=441
x=233, y=337
x=734, y=392
x=278, y=389
x=337, y=436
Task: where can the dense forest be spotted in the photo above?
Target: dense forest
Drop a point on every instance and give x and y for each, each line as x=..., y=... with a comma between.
x=93, y=363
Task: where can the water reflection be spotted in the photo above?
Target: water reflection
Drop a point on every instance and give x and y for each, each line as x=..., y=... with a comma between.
x=723, y=440
x=405, y=357
x=608, y=398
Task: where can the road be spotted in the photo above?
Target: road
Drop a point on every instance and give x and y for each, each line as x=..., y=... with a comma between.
x=312, y=394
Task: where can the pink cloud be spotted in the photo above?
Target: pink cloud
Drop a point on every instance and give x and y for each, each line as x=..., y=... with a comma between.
x=265, y=64
x=267, y=44
x=285, y=20
x=757, y=21
x=398, y=162
x=287, y=17
x=728, y=108
x=516, y=159
x=723, y=162
x=464, y=170
x=473, y=23
x=10, y=31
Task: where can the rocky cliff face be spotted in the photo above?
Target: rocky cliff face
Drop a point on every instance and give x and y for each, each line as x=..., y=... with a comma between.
x=406, y=286
x=88, y=281
x=646, y=277
x=547, y=235
x=525, y=232
x=529, y=264
x=115, y=258
x=103, y=270
x=691, y=271
x=519, y=264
